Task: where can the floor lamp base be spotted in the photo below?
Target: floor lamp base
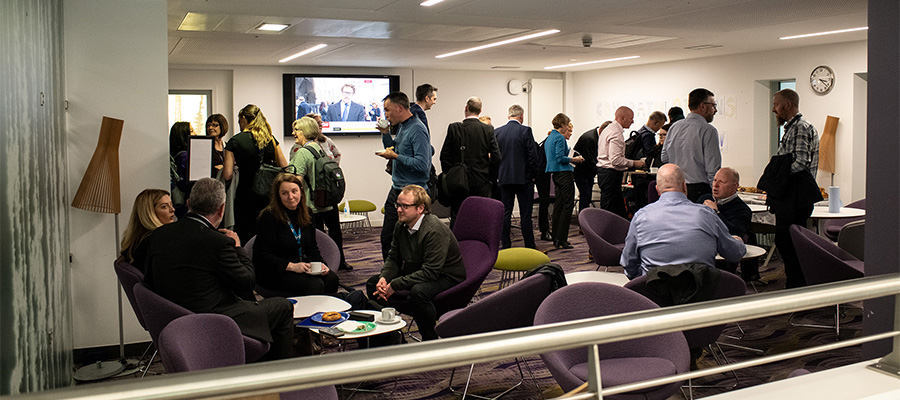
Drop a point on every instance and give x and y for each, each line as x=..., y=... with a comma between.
x=131, y=366
x=99, y=370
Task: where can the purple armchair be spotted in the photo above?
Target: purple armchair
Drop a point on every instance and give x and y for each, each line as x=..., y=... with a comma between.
x=833, y=226
x=477, y=229
x=622, y=362
x=159, y=312
x=129, y=276
x=605, y=235
x=204, y=341
x=652, y=194
x=822, y=262
x=509, y=308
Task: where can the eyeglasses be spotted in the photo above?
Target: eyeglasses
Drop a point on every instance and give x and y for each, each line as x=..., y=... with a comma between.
x=716, y=106
x=400, y=205
x=347, y=93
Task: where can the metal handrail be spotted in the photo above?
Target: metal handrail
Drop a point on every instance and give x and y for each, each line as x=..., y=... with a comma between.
x=355, y=366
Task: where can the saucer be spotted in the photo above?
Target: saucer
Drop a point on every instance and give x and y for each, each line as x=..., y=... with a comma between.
x=396, y=319
x=314, y=273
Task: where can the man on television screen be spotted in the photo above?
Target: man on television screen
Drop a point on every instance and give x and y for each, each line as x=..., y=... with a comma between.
x=346, y=109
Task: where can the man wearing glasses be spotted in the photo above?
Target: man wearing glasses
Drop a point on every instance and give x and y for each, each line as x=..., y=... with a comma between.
x=693, y=144
x=346, y=109
x=424, y=259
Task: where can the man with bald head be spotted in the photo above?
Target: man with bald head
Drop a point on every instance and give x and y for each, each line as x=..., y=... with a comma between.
x=673, y=230
x=693, y=144
x=734, y=213
x=611, y=162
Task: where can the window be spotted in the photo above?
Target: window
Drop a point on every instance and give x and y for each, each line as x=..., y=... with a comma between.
x=191, y=106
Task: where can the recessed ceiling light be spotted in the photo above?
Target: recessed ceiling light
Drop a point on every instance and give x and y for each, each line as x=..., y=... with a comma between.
x=429, y=3
x=500, y=43
x=824, y=33
x=272, y=27
x=303, y=53
x=593, y=62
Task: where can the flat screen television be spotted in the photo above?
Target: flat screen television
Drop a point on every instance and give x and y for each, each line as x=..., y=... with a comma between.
x=348, y=104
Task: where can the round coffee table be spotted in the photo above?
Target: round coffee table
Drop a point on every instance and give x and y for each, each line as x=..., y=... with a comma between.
x=306, y=306
x=613, y=278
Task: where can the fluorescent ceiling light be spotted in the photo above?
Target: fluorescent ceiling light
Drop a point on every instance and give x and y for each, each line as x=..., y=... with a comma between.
x=593, y=62
x=429, y=3
x=824, y=33
x=272, y=27
x=303, y=53
x=500, y=43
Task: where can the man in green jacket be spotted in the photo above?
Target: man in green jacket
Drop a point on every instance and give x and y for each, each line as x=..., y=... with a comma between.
x=424, y=259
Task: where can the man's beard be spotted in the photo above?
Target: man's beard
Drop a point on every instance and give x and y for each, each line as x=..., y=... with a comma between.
x=780, y=120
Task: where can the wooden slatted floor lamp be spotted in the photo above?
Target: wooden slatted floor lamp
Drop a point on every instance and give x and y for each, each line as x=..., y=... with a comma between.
x=99, y=192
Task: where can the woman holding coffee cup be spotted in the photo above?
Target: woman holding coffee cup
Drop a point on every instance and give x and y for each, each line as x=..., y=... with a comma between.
x=285, y=252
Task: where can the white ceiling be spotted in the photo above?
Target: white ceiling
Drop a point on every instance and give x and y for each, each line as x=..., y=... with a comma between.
x=400, y=33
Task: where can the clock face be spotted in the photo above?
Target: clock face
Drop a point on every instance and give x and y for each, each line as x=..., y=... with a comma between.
x=821, y=79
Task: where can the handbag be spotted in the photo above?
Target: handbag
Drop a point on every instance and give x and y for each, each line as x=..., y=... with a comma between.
x=454, y=182
x=262, y=181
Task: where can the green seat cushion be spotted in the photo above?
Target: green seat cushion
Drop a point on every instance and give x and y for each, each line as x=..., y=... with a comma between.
x=520, y=259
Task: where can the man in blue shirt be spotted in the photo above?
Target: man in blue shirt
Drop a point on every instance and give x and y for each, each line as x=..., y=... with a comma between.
x=411, y=152
x=673, y=230
x=693, y=144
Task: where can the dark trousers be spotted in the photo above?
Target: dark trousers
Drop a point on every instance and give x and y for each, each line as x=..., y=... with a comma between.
x=585, y=185
x=421, y=307
x=563, y=206
x=695, y=190
x=332, y=220
x=280, y=315
x=542, y=182
x=611, y=199
x=390, y=220
x=508, y=195
x=783, y=220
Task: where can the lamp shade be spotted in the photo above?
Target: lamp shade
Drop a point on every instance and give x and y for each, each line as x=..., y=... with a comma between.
x=99, y=189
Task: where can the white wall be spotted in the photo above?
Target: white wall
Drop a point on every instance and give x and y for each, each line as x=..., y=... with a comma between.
x=364, y=170
x=115, y=65
x=744, y=102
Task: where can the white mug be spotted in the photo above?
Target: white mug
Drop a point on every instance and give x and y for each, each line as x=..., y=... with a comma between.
x=315, y=267
x=383, y=123
x=388, y=314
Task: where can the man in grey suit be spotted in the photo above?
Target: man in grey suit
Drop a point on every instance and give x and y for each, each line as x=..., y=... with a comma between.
x=346, y=109
x=516, y=175
x=481, y=155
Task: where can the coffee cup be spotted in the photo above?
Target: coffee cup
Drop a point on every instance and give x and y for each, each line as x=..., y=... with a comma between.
x=388, y=314
x=383, y=123
x=315, y=267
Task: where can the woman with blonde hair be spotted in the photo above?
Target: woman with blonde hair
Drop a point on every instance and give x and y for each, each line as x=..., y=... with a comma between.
x=307, y=130
x=248, y=150
x=152, y=209
x=286, y=243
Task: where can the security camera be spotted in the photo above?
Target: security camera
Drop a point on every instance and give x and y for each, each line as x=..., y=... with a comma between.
x=587, y=41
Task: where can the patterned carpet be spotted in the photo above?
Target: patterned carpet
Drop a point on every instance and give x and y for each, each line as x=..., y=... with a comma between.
x=773, y=335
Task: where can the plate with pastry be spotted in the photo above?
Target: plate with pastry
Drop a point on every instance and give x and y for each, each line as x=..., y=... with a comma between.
x=330, y=317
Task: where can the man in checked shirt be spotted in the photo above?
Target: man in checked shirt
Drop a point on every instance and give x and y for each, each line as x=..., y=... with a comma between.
x=802, y=141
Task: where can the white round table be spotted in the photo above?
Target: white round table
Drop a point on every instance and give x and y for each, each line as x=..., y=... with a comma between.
x=752, y=252
x=614, y=278
x=845, y=212
x=379, y=327
x=306, y=306
x=350, y=218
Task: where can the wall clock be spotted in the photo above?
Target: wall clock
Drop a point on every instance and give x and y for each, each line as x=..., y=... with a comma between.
x=821, y=79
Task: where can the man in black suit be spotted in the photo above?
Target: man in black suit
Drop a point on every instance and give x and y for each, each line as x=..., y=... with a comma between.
x=482, y=155
x=206, y=271
x=586, y=172
x=346, y=109
x=303, y=107
x=516, y=175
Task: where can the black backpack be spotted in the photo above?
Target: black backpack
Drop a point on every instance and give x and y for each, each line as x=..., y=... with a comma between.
x=634, y=149
x=330, y=185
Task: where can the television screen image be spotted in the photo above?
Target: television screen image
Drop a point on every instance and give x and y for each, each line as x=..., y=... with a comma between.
x=348, y=104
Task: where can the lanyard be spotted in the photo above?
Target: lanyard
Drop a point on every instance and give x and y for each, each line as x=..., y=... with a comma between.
x=296, y=233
